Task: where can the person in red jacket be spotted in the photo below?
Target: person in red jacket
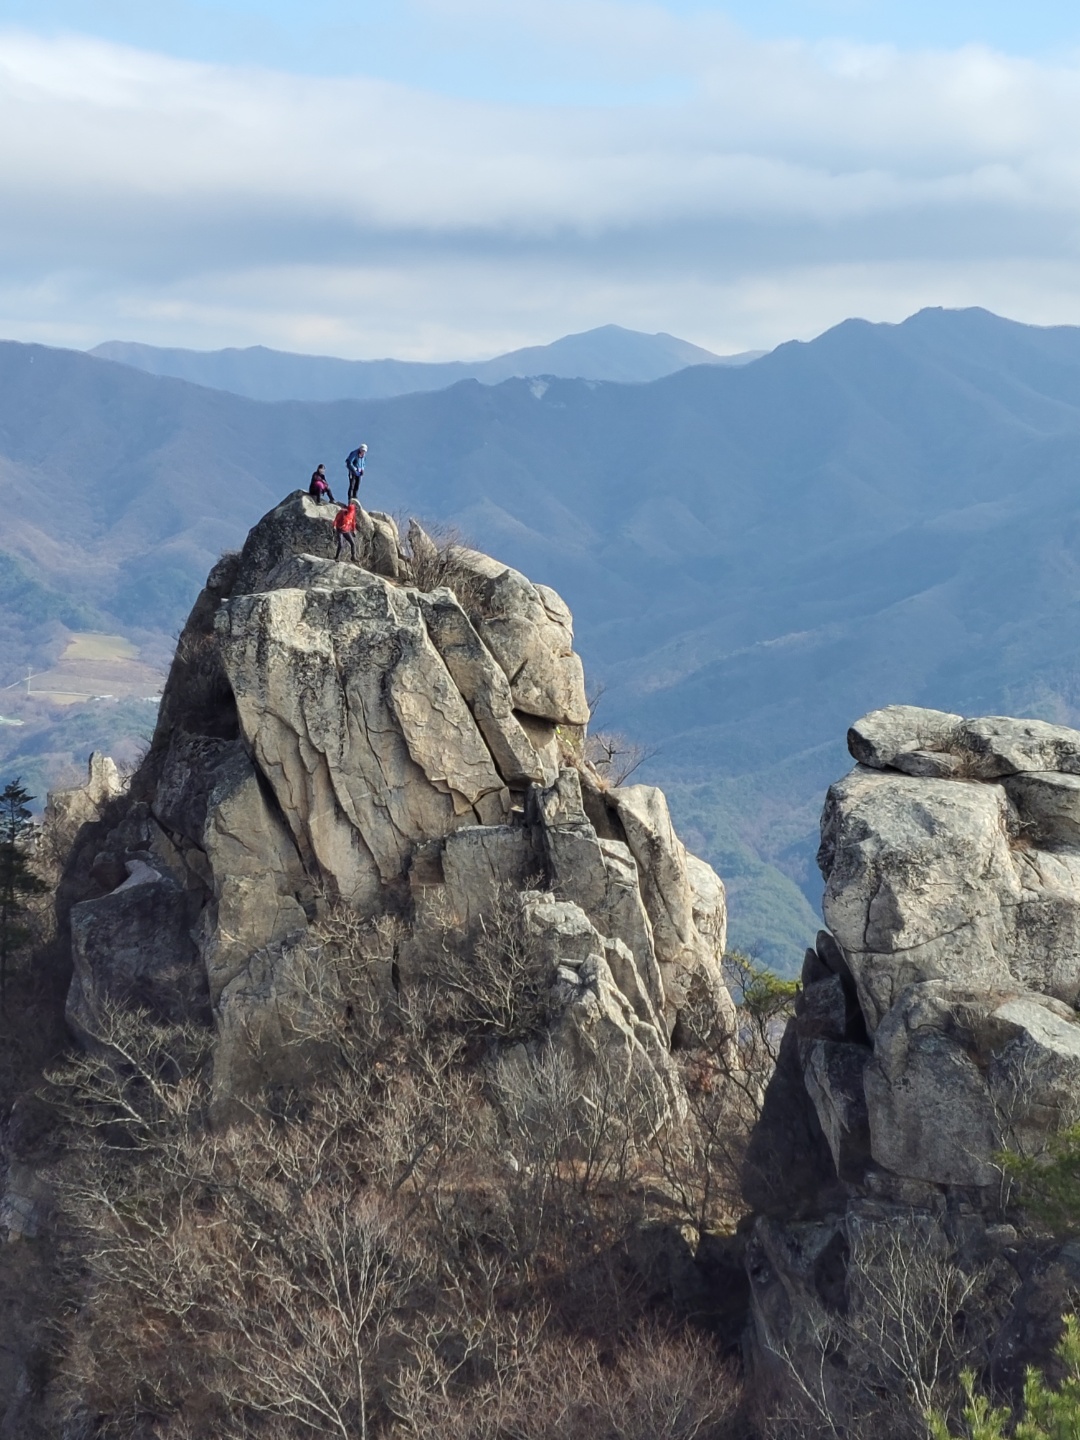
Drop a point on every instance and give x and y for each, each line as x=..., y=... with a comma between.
x=345, y=526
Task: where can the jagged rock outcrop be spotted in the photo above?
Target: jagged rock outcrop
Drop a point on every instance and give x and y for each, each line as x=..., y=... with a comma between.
x=403, y=737
x=937, y=1024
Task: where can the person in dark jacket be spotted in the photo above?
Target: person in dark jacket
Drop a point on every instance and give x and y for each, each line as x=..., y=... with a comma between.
x=345, y=526
x=354, y=464
x=319, y=489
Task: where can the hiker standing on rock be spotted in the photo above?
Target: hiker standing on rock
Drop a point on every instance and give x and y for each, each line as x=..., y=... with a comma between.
x=345, y=526
x=354, y=464
x=319, y=489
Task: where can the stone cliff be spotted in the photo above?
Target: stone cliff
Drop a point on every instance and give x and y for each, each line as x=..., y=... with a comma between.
x=403, y=738
x=936, y=1028
x=399, y=747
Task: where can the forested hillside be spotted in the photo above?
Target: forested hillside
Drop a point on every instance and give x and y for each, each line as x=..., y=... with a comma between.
x=752, y=555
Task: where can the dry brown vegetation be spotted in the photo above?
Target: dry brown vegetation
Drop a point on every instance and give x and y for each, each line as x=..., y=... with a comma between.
x=433, y=1237
x=914, y=1318
x=450, y=1231
x=435, y=559
x=614, y=758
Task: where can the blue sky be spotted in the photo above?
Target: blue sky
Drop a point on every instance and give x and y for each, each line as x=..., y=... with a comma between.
x=438, y=178
x=468, y=54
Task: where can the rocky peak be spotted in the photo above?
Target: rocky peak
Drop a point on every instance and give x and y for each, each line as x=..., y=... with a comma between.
x=937, y=1024
x=404, y=737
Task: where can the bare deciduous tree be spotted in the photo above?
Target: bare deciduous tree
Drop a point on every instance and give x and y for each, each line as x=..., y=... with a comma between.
x=613, y=757
x=913, y=1318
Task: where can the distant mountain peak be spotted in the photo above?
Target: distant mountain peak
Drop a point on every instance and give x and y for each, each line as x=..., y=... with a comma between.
x=608, y=352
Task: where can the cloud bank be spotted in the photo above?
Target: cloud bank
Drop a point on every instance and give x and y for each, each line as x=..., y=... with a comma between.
x=770, y=190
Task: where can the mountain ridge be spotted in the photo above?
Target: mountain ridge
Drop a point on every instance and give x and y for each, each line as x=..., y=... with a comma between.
x=608, y=352
x=752, y=555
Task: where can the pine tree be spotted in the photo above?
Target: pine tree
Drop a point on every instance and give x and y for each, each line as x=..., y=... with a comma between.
x=1049, y=1412
x=17, y=879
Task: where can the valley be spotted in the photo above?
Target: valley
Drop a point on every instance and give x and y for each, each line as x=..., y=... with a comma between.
x=753, y=555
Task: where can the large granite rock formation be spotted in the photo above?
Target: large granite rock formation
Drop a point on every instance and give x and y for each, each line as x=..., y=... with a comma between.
x=937, y=1025
x=403, y=737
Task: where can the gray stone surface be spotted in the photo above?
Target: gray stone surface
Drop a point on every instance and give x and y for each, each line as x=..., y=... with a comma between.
x=483, y=685
x=300, y=527
x=357, y=725
x=597, y=1025
x=939, y=879
x=675, y=892
x=68, y=810
x=529, y=631
x=936, y=744
x=937, y=1025
x=134, y=947
x=1001, y=746
x=333, y=735
x=957, y=1075
x=878, y=738
x=1048, y=807
x=480, y=863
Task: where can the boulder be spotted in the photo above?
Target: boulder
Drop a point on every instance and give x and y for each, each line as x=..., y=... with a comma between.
x=676, y=892
x=529, y=631
x=597, y=1026
x=298, y=526
x=878, y=738
x=134, y=948
x=999, y=746
x=483, y=686
x=939, y=879
x=835, y=1081
x=259, y=889
x=601, y=876
x=544, y=738
x=66, y=811
x=937, y=1025
x=918, y=879
x=355, y=721
x=934, y=744
x=481, y=863
x=958, y=1075
x=1048, y=807
x=311, y=572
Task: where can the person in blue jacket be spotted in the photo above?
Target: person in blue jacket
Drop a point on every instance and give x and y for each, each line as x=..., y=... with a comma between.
x=354, y=463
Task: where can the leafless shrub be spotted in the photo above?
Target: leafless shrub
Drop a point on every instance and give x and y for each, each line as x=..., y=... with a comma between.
x=435, y=558
x=660, y=1387
x=368, y=1267
x=406, y=1246
x=701, y=1160
x=912, y=1319
x=574, y=1181
x=496, y=971
x=613, y=757
x=261, y=1271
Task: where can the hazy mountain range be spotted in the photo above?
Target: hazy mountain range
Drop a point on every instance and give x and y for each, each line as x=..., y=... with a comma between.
x=754, y=555
x=608, y=353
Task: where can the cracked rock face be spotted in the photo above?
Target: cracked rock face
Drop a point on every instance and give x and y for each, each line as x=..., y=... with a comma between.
x=974, y=878
x=332, y=733
x=937, y=1025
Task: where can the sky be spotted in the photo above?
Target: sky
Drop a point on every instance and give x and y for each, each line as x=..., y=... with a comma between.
x=450, y=179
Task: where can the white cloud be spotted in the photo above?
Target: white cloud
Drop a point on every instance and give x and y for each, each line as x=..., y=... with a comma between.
x=152, y=198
